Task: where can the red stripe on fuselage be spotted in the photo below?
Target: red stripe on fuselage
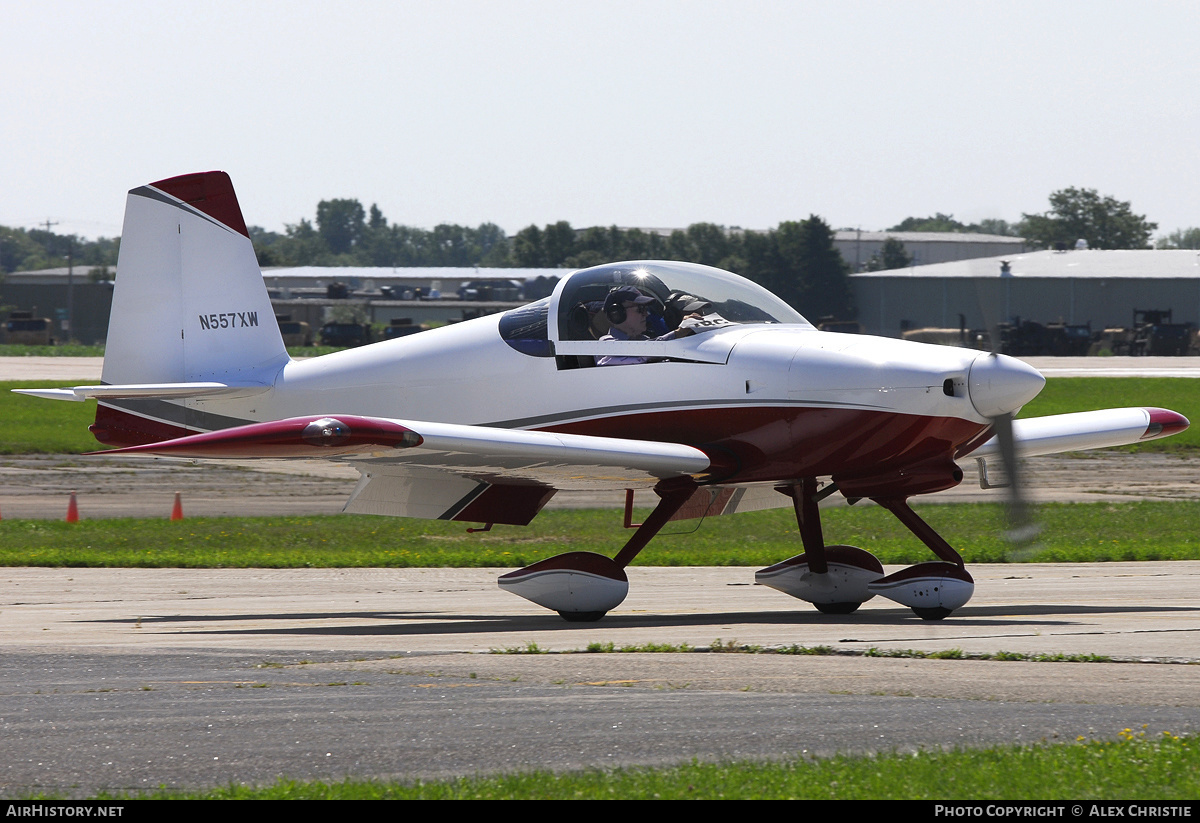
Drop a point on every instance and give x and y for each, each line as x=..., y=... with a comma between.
x=117, y=427
x=774, y=443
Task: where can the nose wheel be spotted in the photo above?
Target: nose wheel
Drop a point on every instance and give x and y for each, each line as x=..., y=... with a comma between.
x=935, y=613
x=837, y=608
x=581, y=617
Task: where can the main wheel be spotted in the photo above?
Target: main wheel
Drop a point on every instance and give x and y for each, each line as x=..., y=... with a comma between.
x=837, y=608
x=935, y=613
x=581, y=617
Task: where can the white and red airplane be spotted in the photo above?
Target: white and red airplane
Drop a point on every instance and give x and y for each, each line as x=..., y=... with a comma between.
x=485, y=420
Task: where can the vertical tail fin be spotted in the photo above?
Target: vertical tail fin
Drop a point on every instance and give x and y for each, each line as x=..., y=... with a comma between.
x=189, y=302
x=189, y=305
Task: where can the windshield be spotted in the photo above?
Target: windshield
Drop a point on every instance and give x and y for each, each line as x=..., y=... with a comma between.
x=680, y=289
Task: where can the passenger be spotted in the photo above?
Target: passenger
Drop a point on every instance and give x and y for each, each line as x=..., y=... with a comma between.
x=627, y=308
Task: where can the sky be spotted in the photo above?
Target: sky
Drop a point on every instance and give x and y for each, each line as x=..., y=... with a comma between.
x=653, y=113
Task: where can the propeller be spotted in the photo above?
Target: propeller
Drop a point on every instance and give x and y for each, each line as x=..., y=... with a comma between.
x=1023, y=529
x=1005, y=387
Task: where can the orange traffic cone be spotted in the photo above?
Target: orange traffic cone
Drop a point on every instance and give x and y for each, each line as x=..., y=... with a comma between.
x=72, y=510
x=177, y=509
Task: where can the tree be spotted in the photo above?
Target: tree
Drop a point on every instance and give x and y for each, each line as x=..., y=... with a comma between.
x=893, y=255
x=1180, y=239
x=266, y=247
x=710, y=243
x=939, y=222
x=527, y=248
x=558, y=240
x=947, y=223
x=799, y=263
x=302, y=245
x=1082, y=214
x=341, y=224
x=492, y=243
x=993, y=225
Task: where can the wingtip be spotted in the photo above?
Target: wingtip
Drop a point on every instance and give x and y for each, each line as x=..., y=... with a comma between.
x=1164, y=423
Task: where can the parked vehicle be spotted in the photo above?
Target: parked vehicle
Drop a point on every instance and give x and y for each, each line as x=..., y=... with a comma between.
x=346, y=335
x=295, y=332
x=23, y=329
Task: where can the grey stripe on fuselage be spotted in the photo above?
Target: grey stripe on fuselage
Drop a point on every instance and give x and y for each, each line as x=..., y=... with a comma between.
x=167, y=412
x=632, y=408
x=164, y=412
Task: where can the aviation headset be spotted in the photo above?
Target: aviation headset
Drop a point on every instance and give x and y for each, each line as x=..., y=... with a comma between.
x=614, y=303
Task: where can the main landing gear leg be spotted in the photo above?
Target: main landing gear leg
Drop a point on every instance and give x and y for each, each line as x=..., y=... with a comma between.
x=832, y=578
x=932, y=590
x=584, y=586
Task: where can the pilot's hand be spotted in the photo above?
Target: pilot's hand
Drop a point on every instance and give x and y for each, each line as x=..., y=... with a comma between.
x=687, y=329
x=696, y=323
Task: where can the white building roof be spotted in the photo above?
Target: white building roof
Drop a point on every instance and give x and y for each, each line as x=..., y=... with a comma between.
x=926, y=237
x=1094, y=264
x=329, y=274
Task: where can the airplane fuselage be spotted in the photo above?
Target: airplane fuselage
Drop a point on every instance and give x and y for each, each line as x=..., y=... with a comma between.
x=786, y=402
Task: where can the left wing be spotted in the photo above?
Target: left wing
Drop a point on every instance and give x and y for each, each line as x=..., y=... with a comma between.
x=504, y=453
x=449, y=471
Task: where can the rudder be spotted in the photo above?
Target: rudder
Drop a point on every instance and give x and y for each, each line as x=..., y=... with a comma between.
x=189, y=301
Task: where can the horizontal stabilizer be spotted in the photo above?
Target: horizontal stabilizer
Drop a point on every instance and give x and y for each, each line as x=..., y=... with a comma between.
x=1087, y=430
x=164, y=391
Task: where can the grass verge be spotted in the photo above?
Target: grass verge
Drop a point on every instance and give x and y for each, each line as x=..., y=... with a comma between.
x=733, y=647
x=1132, y=767
x=1073, y=532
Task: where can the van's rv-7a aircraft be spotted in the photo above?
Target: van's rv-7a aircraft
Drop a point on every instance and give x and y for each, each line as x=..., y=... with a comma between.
x=485, y=420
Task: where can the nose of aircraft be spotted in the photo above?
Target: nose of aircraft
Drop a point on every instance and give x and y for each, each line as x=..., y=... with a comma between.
x=998, y=384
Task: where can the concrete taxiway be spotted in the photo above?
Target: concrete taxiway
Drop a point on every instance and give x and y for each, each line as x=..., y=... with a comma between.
x=135, y=678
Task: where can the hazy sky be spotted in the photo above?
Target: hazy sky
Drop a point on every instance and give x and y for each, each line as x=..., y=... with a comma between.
x=631, y=113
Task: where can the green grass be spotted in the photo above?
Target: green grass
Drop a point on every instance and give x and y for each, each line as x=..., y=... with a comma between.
x=719, y=646
x=1075, y=394
x=1079, y=532
x=1133, y=767
x=64, y=350
x=313, y=351
x=36, y=426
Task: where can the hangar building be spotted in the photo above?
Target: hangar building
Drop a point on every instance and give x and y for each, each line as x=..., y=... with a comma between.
x=1078, y=286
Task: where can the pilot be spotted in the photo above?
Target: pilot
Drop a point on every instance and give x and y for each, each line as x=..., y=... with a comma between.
x=627, y=308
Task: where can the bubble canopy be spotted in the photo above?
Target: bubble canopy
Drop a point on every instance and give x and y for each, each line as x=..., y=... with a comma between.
x=573, y=315
x=735, y=298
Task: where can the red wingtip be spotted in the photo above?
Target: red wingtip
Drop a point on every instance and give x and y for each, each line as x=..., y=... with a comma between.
x=209, y=191
x=1164, y=423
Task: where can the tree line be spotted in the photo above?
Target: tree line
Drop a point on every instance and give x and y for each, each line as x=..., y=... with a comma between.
x=34, y=249
x=796, y=259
